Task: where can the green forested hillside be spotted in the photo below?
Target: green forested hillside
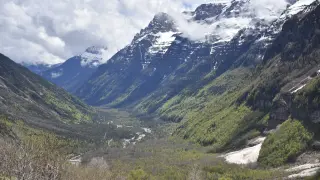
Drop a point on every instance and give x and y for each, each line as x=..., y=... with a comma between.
x=26, y=96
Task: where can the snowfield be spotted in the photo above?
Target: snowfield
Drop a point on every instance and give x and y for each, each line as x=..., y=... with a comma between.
x=246, y=155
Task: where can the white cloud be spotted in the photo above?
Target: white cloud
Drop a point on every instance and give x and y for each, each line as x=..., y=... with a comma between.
x=52, y=31
x=263, y=7
x=226, y=27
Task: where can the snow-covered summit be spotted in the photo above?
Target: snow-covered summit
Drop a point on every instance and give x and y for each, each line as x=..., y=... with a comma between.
x=161, y=22
x=93, y=56
x=297, y=7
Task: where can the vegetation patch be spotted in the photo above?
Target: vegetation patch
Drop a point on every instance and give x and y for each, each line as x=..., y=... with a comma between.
x=285, y=144
x=229, y=172
x=67, y=110
x=309, y=96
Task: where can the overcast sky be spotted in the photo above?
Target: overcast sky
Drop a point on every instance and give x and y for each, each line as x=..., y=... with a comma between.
x=52, y=31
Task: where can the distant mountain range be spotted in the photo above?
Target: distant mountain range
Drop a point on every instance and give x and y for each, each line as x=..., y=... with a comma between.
x=39, y=68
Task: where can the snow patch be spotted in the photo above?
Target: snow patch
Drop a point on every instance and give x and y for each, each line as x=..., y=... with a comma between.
x=163, y=42
x=141, y=136
x=126, y=142
x=305, y=173
x=147, y=130
x=245, y=156
x=264, y=38
x=76, y=160
x=256, y=141
x=119, y=126
x=141, y=38
x=303, y=167
x=298, y=89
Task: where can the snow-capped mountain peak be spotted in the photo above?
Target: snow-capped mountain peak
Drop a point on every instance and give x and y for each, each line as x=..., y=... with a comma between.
x=93, y=56
x=297, y=7
x=161, y=22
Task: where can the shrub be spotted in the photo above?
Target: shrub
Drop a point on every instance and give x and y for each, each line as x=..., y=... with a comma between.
x=285, y=144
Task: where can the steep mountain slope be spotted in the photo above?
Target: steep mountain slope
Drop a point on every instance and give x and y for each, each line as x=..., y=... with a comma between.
x=75, y=71
x=160, y=62
x=252, y=102
x=26, y=96
x=134, y=66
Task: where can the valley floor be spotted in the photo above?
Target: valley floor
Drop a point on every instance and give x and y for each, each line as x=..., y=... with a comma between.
x=129, y=155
